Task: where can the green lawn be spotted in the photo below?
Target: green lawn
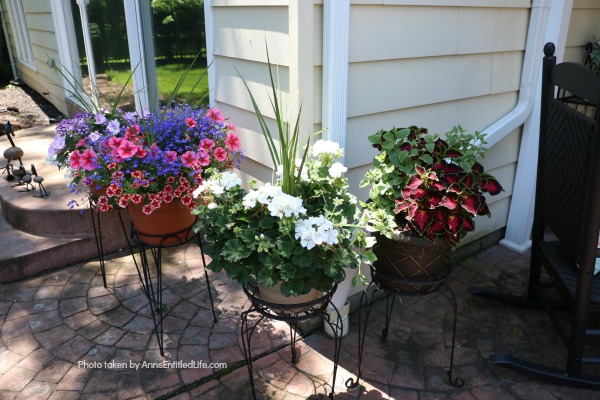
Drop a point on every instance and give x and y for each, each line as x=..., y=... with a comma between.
x=167, y=77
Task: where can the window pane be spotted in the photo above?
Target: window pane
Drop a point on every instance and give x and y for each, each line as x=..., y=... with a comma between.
x=110, y=50
x=178, y=37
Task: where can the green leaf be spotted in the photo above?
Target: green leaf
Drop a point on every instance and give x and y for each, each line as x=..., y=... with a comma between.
x=369, y=256
x=233, y=250
x=389, y=136
x=426, y=158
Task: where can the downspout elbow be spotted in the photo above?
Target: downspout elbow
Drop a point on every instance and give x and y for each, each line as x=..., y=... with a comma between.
x=529, y=76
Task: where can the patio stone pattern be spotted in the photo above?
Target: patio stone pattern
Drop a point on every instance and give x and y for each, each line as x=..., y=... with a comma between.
x=65, y=336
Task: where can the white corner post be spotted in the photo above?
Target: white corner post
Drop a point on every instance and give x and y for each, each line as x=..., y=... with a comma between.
x=336, y=28
x=210, y=57
x=138, y=20
x=520, y=217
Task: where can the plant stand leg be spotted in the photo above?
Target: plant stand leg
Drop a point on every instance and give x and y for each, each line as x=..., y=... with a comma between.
x=98, y=236
x=153, y=294
x=365, y=305
x=212, y=305
x=247, y=330
x=448, y=293
x=388, y=316
x=337, y=328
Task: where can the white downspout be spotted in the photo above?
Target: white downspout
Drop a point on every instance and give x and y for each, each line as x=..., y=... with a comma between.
x=210, y=57
x=531, y=66
x=520, y=217
x=8, y=46
x=336, y=23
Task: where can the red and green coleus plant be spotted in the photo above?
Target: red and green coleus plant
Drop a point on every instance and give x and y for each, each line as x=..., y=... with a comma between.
x=427, y=185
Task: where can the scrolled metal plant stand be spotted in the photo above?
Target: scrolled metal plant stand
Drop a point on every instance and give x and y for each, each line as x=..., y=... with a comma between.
x=291, y=314
x=393, y=288
x=153, y=287
x=97, y=225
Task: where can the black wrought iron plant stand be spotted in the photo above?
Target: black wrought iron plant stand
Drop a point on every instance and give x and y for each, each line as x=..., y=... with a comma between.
x=292, y=314
x=395, y=287
x=152, y=287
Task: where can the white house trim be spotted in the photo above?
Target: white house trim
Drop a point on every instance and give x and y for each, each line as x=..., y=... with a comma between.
x=210, y=57
x=67, y=44
x=141, y=54
x=520, y=217
x=336, y=24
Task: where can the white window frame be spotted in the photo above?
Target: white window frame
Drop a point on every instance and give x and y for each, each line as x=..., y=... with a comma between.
x=20, y=32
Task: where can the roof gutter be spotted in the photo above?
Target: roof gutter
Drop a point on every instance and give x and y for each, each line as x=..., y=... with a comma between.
x=520, y=217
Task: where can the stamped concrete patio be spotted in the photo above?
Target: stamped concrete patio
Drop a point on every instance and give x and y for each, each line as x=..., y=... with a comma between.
x=65, y=336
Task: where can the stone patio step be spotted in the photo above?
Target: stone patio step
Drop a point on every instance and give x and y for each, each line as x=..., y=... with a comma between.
x=38, y=235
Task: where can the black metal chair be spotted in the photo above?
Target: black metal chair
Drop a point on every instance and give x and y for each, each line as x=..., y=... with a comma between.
x=566, y=221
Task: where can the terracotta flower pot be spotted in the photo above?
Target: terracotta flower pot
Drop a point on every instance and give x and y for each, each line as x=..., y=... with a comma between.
x=170, y=224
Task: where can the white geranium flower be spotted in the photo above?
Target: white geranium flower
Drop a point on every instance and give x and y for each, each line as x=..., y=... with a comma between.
x=228, y=180
x=286, y=205
x=326, y=147
x=337, y=169
x=211, y=206
x=249, y=200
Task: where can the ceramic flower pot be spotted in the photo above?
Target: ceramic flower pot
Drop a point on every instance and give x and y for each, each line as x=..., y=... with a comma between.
x=168, y=225
x=408, y=264
x=274, y=295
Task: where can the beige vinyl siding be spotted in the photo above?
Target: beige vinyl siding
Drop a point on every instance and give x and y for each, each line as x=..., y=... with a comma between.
x=241, y=31
x=42, y=78
x=584, y=28
x=436, y=64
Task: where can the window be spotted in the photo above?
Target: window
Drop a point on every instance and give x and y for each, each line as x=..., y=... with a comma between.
x=20, y=32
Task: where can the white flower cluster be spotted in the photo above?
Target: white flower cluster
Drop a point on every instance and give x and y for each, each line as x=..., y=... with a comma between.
x=315, y=231
x=337, y=169
x=218, y=184
x=278, y=203
x=326, y=147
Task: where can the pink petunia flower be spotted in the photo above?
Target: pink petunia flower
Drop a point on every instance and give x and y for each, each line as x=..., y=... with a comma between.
x=191, y=122
x=231, y=127
x=74, y=160
x=127, y=149
x=133, y=130
x=114, y=141
x=81, y=143
x=188, y=159
x=232, y=141
x=88, y=160
x=207, y=144
x=203, y=158
x=141, y=152
x=220, y=154
x=170, y=156
x=216, y=115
